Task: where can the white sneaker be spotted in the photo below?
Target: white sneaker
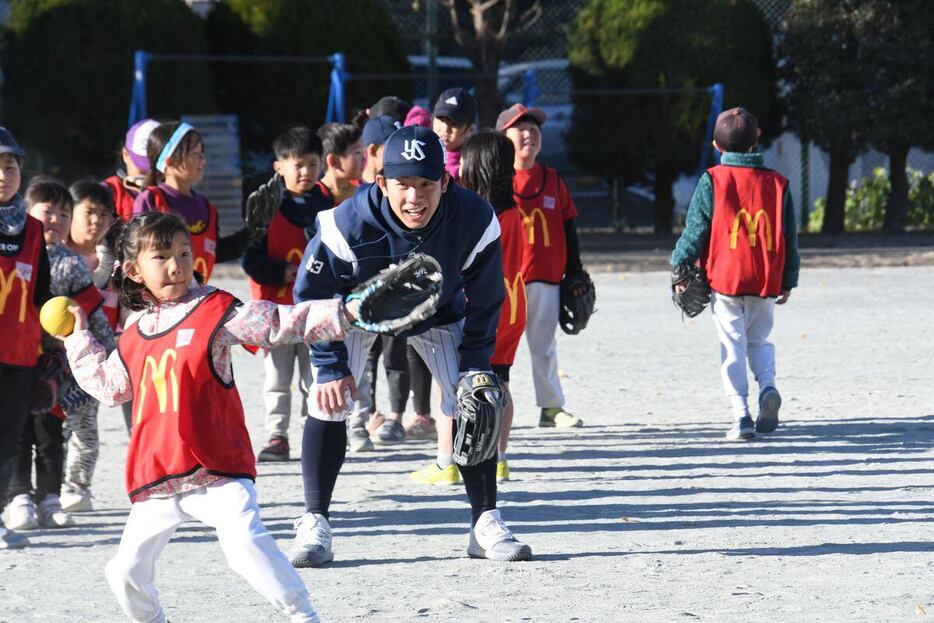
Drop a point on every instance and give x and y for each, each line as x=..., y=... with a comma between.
x=75, y=498
x=51, y=514
x=491, y=539
x=10, y=539
x=358, y=439
x=312, y=544
x=21, y=513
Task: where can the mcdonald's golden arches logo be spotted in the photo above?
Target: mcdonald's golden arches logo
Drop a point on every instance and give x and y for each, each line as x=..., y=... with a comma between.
x=201, y=265
x=512, y=293
x=6, y=286
x=752, y=228
x=294, y=256
x=528, y=221
x=157, y=380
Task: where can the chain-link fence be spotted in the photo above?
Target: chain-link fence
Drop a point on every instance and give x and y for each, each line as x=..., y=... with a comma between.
x=538, y=52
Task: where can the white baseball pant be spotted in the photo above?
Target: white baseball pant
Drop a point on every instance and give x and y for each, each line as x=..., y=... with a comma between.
x=229, y=506
x=743, y=326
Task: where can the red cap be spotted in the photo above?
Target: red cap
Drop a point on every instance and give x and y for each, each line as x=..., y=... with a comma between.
x=514, y=113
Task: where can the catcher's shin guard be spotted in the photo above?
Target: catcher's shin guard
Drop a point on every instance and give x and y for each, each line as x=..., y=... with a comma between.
x=480, y=405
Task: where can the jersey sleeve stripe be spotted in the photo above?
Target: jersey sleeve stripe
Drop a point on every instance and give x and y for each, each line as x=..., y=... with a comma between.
x=333, y=239
x=492, y=233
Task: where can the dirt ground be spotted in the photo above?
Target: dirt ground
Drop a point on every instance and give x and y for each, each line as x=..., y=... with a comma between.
x=645, y=514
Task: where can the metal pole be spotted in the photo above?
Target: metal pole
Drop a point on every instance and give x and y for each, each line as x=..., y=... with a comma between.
x=138, y=110
x=431, y=51
x=335, y=110
x=805, y=185
x=530, y=90
x=716, y=107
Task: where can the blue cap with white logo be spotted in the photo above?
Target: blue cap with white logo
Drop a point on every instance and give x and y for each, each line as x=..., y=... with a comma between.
x=413, y=151
x=378, y=129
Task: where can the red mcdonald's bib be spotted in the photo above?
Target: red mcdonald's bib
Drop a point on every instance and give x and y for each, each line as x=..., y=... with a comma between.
x=539, y=197
x=19, y=319
x=203, y=235
x=286, y=242
x=512, y=315
x=184, y=416
x=746, y=254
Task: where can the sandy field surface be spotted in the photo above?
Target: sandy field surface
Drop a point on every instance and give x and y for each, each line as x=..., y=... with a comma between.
x=645, y=514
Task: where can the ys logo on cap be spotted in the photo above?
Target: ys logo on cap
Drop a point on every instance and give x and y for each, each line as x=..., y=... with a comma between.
x=413, y=150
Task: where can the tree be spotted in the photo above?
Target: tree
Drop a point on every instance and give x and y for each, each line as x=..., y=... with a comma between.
x=897, y=44
x=68, y=71
x=826, y=73
x=297, y=93
x=662, y=44
x=481, y=28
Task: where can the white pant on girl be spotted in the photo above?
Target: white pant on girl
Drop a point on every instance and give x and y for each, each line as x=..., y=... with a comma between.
x=229, y=506
x=543, y=300
x=743, y=325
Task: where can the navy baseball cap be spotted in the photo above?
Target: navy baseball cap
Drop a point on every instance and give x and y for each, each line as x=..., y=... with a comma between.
x=378, y=130
x=8, y=144
x=413, y=151
x=457, y=104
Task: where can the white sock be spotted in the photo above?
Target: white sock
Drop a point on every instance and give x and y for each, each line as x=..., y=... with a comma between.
x=445, y=460
x=502, y=455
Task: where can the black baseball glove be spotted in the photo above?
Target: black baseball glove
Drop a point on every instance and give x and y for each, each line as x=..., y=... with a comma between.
x=399, y=297
x=261, y=206
x=696, y=295
x=480, y=405
x=578, y=297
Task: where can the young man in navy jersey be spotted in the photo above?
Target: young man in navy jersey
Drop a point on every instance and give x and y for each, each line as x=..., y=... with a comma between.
x=412, y=208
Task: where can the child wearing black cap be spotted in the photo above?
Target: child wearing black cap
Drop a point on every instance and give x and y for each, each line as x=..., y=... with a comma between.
x=453, y=119
x=412, y=208
x=24, y=265
x=741, y=229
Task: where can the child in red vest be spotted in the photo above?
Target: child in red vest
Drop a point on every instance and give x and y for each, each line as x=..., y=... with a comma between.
x=177, y=161
x=551, y=254
x=487, y=169
x=125, y=184
x=24, y=266
x=271, y=262
x=185, y=460
x=31, y=507
x=741, y=230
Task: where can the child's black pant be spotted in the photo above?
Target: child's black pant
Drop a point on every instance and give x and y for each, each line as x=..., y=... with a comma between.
x=14, y=390
x=43, y=433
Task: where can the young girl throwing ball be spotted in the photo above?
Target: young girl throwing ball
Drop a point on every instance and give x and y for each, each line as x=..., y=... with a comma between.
x=187, y=461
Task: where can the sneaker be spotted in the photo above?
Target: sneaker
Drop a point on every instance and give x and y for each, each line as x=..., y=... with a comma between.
x=51, y=514
x=743, y=428
x=434, y=475
x=10, y=539
x=557, y=417
x=770, y=401
x=502, y=471
x=312, y=544
x=75, y=498
x=390, y=432
x=422, y=427
x=491, y=539
x=358, y=440
x=21, y=513
x=277, y=450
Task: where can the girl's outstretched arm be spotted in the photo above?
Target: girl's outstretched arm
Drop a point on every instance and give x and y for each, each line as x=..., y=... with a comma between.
x=267, y=325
